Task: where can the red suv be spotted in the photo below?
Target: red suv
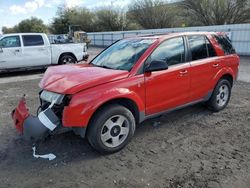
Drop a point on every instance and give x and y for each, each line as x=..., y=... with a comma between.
x=132, y=80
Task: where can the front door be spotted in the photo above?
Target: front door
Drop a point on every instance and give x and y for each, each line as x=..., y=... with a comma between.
x=10, y=52
x=168, y=89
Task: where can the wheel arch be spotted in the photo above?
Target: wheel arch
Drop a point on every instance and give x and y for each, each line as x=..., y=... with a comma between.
x=228, y=77
x=66, y=53
x=226, y=73
x=126, y=102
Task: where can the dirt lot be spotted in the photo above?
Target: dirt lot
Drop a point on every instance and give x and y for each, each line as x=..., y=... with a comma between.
x=192, y=147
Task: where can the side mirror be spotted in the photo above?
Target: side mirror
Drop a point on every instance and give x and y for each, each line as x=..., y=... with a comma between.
x=156, y=65
x=85, y=58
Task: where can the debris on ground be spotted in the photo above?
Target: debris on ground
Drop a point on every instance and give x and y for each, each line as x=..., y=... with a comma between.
x=49, y=156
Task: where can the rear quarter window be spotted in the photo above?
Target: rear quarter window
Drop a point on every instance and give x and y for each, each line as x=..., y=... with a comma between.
x=225, y=44
x=32, y=40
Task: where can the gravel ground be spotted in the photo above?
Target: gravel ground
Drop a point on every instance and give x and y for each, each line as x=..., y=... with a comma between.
x=192, y=147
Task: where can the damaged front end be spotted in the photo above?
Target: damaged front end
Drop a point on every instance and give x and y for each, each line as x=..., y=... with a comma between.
x=47, y=121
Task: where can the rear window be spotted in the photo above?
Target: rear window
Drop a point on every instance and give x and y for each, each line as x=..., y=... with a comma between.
x=32, y=40
x=225, y=44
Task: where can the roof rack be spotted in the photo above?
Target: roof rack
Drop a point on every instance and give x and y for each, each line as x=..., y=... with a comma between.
x=152, y=35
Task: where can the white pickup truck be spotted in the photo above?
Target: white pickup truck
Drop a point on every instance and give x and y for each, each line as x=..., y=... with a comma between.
x=33, y=50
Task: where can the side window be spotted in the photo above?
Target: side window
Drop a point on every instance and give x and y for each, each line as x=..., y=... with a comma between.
x=225, y=44
x=32, y=40
x=198, y=47
x=172, y=51
x=10, y=42
x=210, y=49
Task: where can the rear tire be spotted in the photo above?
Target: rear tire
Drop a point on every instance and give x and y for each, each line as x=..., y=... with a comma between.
x=67, y=59
x=111, y=129
x=221, y=96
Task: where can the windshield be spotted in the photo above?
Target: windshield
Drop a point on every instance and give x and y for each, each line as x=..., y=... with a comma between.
x=123, y=54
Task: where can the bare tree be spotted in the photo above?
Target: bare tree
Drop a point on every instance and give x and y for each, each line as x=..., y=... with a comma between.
x=152, y=13
x=217, y=12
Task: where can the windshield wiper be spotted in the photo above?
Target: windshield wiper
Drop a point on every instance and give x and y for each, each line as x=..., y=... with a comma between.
x=103, y=66
x=106, y=67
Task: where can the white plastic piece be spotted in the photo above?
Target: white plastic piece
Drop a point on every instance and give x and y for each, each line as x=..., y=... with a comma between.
x=46, y=122
x=49, y=156
x=52, y=104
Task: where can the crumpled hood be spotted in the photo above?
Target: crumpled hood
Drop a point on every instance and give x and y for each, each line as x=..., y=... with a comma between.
x=70, y=79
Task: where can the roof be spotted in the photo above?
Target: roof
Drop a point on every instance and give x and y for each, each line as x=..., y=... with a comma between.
x=159, y=35
x=169, y=35
x=12, y=34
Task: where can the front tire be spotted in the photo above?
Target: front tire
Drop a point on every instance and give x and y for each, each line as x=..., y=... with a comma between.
x=221, y=96
x=111, y=129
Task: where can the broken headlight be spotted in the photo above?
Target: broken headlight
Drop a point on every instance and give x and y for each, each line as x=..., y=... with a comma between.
x=52, y=97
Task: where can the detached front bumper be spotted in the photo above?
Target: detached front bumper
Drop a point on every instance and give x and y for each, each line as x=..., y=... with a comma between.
x=34, y=128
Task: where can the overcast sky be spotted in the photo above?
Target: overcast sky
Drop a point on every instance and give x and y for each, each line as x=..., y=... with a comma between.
x=13, y=11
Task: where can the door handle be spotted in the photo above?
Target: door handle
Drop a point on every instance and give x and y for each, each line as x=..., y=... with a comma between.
x=216, y=65
x=17, y=50
x=183, y=72
x=41, y=49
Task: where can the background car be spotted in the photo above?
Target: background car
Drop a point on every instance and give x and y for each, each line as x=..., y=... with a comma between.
x=33, y=50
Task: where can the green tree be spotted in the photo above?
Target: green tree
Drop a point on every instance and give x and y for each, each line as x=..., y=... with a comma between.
x=84, y=18
x=61, y=22
x=32, y=25
x=75, y=16
x=110, y=19
x=216, y=12
x=6, y=30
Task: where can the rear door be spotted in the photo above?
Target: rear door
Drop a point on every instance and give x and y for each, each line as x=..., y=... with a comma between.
x=168, y=89
x=204, y=62
x=35, y=51
x=230, y=58
x=10, y=52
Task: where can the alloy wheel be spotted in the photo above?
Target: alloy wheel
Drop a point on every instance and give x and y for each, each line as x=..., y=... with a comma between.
x=115, y=131
x=222, y=95
x=68, y=60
